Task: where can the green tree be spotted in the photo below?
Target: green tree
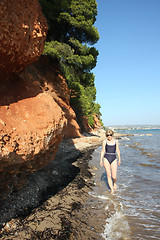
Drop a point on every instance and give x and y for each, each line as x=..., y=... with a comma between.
x=69, y=42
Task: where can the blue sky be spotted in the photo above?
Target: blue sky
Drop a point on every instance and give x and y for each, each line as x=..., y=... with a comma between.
x=127, y=75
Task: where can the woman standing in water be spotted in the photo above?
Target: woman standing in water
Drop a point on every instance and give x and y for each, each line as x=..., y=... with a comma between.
x=110, y=147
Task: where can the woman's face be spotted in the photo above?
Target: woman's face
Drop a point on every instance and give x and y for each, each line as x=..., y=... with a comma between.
x=109, y=136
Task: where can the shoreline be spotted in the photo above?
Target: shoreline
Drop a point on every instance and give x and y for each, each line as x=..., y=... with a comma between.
x=63, y=187
x=47, y=205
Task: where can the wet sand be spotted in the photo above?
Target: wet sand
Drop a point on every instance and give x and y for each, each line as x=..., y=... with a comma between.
x=47, y=207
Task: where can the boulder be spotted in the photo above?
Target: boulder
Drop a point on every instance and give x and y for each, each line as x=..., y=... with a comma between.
x=86, y=125
x=34, y=117
x=34, y=97
x=23, y=31
x=96, y=124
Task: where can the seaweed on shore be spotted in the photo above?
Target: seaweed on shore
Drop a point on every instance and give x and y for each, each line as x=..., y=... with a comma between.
x=76, y=189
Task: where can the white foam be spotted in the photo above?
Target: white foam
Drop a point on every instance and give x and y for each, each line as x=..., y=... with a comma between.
x=107, y=207
x=123, y=185
x=97, y=196
x=116, y=227
x=125, y=138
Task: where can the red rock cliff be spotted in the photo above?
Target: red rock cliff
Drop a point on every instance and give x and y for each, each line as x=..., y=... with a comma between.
x=96, y=124
x=34, y=100
x=23, y=30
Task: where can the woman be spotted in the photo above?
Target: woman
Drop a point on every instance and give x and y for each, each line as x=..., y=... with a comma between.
x=110, y=147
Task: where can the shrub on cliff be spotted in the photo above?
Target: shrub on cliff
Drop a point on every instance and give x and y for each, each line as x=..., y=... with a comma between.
x=69, y=42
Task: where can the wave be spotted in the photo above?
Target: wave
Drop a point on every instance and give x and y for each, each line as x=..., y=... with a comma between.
x=116, y=227
x=138, y=148
x=149, y=165
x=98, y=196
x=125, y=138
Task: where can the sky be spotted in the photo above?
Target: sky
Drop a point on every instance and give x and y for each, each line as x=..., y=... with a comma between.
x=127, y=74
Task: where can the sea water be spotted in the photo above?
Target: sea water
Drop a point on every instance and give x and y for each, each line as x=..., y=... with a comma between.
x=133, y=210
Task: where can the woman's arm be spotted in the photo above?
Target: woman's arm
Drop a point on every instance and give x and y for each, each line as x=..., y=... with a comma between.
x=118, y=153
x=102, y=153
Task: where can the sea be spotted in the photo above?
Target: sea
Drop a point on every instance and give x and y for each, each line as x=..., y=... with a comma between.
x=133, y=210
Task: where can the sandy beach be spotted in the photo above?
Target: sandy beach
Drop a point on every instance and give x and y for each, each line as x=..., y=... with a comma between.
x=46, y=207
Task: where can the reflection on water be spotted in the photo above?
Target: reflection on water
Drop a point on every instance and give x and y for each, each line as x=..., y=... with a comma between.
x=133, y=211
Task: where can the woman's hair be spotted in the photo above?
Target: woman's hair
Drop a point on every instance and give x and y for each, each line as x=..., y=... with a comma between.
x=109, y=132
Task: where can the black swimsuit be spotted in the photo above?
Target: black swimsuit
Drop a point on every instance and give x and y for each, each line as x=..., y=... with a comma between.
x=110, y=153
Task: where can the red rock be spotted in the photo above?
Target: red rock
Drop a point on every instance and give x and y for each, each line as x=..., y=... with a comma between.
x=72, y=130
x=32, y=132
x=86, y=125
x=96, y=124
x=57, y=87
x=23, y=31
x=35, y=115
x=34, y=98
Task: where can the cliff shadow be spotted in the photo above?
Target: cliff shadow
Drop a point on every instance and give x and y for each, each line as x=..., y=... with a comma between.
x=19, y=87
x=45, y=183
x=31, y=81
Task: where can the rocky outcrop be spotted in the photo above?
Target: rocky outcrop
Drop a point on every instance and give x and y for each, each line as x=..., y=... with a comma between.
x=31, y=129
x=22, y=103
x=55, y=85
x=73, y=129
x=34, y=116
x=34, y=100
x=23, y=30
x=96, y=124
x=86, y=125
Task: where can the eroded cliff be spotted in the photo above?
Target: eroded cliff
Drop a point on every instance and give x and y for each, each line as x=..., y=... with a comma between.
x=34, y=100
x=35, y=114
x=23, y=31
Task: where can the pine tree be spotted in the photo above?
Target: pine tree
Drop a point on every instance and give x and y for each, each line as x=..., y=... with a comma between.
x=69, y=42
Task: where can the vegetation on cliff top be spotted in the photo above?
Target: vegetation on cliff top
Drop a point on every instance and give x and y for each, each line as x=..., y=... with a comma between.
x=70, y=42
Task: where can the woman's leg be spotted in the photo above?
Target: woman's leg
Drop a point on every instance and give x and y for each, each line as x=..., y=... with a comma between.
x=114, y=173
x=108, y=171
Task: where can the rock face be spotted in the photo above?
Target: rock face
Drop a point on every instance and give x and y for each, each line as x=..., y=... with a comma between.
x=29, y=139
x=96, y=124
x=55, y=85
x=23, y=31
x=73, y=129
x=86, y=125
x=34, y=116
x=35, y=113
x=34, y=98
